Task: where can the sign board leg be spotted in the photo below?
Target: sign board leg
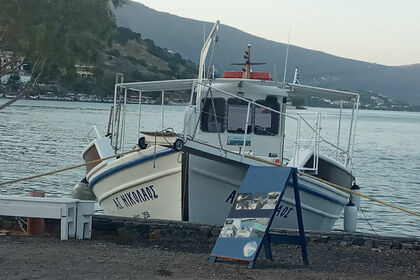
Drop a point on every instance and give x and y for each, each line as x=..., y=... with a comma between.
x=299, y=218
x=251, y=265
x=267, y=248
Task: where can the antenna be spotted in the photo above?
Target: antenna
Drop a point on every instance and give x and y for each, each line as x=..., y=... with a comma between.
x=287, y=57
x=275, y=73
x=204, y=33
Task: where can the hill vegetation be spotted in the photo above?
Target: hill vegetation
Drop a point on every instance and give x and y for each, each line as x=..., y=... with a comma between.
x=137, y=60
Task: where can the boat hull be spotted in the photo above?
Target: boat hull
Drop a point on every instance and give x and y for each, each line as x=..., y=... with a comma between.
x=149, y=185
x=213, y=186
x=141, y=185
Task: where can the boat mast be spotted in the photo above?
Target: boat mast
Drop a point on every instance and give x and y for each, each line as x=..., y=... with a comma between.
x=287, y=58
x=203, y=56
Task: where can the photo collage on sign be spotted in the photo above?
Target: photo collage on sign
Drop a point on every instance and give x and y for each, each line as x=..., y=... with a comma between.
x=248, y=226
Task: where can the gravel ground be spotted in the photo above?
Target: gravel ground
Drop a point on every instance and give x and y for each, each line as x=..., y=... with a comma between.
x=23, y=257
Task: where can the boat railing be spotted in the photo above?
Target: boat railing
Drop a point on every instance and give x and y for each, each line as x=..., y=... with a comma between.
x=306, y=137
x=311, y=140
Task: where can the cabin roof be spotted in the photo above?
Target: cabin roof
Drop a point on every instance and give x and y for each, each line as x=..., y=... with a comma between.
x=331, y=94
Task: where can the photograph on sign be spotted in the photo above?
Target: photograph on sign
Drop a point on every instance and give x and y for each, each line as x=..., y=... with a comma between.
x=256, y=201
x=244, y=227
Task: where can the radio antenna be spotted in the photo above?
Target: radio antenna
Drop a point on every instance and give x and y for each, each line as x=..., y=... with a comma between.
x=287, y=57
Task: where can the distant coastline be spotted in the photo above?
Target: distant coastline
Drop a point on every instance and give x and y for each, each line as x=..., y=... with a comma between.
x=411, y=108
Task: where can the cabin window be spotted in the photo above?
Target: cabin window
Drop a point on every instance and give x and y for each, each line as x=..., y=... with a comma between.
x=266, y=122
x=208, y=121
x=236, y=116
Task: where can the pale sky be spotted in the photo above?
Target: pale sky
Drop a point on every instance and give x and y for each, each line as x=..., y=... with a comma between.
x=379, y=31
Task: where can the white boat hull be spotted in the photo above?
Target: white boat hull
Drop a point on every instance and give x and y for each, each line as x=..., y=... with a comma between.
x=213, y=186
x=141, y=185
x=148, y=185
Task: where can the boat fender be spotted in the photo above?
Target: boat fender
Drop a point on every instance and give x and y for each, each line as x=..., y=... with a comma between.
x=142, y=143
x=178, y=145
x=82, y=191
x=350, y=217
x=355, y=198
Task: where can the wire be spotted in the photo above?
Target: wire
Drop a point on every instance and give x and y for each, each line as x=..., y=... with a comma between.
x=363, y=212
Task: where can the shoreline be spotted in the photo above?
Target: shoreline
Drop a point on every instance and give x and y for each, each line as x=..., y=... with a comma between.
x=159, y=104
x=153, y=249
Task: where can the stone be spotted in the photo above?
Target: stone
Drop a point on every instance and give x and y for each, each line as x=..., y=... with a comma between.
x=396, y=245
x=344, y=244
x=143, y=228
x=371, y=243
x=348, y=238
x=384, y=245
x=358, y=241
x=325, y=239
x=126, y=233
x=407, y=246
x=155, y=234
x=179, y=234
x=215, y=231
x=106, y=225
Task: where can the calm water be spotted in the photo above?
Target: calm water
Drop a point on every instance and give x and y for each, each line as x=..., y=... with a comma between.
x=41, y=136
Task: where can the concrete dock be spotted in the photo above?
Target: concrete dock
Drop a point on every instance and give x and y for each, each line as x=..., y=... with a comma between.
x=122, y=249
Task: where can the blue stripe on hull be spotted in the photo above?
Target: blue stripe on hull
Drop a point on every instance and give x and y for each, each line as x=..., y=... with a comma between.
x=129, y=164
x=319, y=194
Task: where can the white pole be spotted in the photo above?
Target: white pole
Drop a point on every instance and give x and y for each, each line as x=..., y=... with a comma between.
x=339, y=128
x=351, y=129
x=203, y=56
x=139, y=113
x=246, y=130
x=162, y=110
x=123, y=121
x=287, y=58
x=355, y=123
x=114, y=118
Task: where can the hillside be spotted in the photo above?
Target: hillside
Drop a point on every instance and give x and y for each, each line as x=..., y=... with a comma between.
x=138, y=60
x=317, y=68
x=142, y=60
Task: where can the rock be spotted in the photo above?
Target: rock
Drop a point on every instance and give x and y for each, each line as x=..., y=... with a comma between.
x=344, y=244
x=384, y=245
x=106, y=225
x=127, y=233
x=358, y=241
x=179, y=234
x=155, y=234
x=348, y=238
x=396, y=245
x=325, y=239
x=407, y=246
x=371, y=243
x=215, y=231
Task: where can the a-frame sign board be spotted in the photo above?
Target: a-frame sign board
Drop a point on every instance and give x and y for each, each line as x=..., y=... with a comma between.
x=248, y=224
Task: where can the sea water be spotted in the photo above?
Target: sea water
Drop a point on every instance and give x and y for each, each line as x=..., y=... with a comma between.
x=41, y=136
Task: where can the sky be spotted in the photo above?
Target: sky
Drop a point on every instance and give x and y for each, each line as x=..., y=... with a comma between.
x=378, y=31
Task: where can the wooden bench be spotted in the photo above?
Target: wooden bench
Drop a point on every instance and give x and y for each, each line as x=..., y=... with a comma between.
x=75, y=215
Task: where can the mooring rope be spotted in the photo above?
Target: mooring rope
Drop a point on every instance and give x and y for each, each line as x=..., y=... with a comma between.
x=67, y=168
x=245, y=155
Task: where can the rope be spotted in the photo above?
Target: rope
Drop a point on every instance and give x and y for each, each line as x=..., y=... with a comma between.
x=339, y=187
x=67, y=168
x=246, y=155
x=371, y=227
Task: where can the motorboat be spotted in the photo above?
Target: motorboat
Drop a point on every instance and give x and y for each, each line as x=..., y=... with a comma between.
x=231, y=123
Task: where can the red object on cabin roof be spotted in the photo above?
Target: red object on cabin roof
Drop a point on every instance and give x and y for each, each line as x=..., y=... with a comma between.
x=254, y=75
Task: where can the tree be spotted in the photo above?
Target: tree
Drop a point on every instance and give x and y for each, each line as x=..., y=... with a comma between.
x=54, y=34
